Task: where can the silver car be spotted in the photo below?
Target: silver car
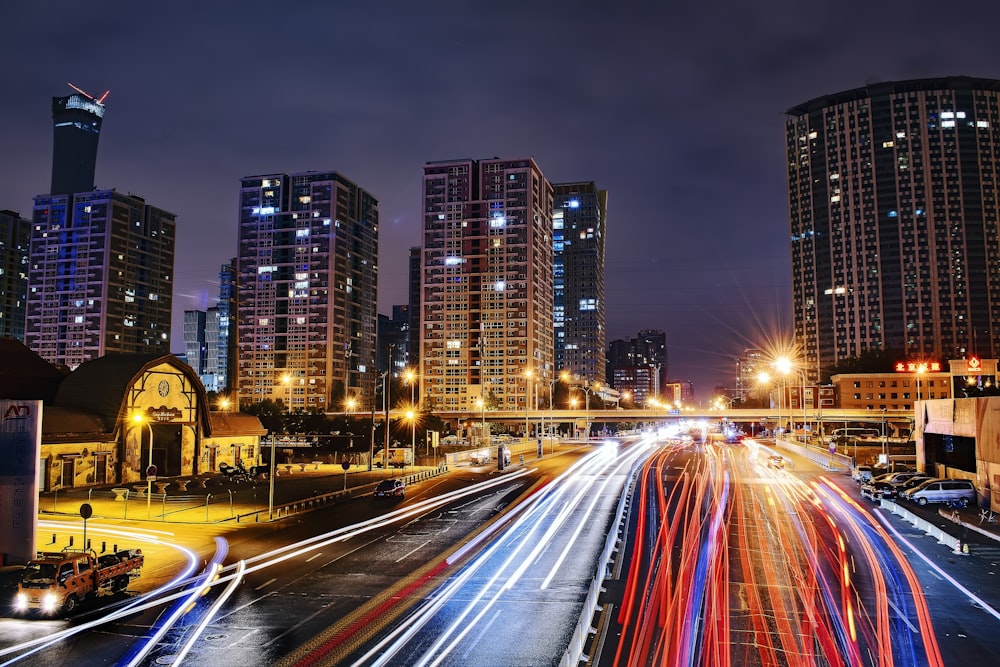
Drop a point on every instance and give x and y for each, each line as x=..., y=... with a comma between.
x=962, y=491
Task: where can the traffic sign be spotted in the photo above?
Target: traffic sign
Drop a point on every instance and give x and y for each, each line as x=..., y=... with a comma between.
x=151, y=473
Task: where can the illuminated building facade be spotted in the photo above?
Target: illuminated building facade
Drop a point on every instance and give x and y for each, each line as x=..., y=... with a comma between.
x=487, y=284
x=15, y=239
x=306, y=291
x=100, y=277
x=578, y=223
x=894, y=210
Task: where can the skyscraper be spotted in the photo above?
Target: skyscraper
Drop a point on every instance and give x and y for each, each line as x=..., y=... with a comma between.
x=894, y=208
x=207, y=340
x=77, y=128
x=194, y=341
x=639, y=365
x=100, y=277
x=578, y=222
x=308, y=274
x=486, y=292
x=15, y=239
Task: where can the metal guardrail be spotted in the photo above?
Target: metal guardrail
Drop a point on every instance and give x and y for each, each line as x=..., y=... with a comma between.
x=583, y=629
x=314, y=502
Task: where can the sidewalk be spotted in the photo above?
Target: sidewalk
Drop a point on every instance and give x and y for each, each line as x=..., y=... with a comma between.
x=974, y=519
x=215, y=498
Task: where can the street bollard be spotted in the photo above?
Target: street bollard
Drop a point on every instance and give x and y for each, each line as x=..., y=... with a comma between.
x=71, y=540
x=104, y=546
x=208, y=497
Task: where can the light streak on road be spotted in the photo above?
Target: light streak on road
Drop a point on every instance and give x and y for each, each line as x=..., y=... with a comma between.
x=519, y=546
x=790, y=546
x=211, y=613
x=182, y=583
x=115, y=611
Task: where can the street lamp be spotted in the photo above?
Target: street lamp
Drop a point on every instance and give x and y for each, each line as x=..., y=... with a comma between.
x=286, y=380
x=410, y=376
x=921, y=369
x=764, y=378
x=784, y=366
x=139, y=419
x=351, y=403
x=527, y=400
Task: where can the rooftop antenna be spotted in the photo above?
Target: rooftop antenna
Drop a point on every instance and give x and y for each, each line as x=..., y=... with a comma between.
x=99, y=100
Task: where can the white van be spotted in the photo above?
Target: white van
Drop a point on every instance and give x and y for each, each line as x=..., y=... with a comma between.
x=942, y=491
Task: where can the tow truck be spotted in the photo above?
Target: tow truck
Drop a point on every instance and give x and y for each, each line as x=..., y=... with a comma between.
x=56, y=582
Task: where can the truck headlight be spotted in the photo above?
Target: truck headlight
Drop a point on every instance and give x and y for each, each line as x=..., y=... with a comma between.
x=21, y=602
x=49, y=603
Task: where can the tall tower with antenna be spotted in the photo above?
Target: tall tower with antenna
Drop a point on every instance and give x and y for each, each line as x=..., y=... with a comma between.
x=77, y=128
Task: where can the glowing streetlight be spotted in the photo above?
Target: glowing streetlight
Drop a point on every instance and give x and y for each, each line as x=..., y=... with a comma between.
x=286, y=380
x=410, y=376
x=224, y=404
x=351, y=403
x=921, y=369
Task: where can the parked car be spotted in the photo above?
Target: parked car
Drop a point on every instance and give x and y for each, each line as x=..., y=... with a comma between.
x=875, y=491
x=861, y=474
x=775, y=461
x=916, y=480
x=962, y=491
x=389, y=488
x=894, y=477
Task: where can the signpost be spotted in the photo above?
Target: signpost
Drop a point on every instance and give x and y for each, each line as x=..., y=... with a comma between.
x=86, y=511
x=346, y=465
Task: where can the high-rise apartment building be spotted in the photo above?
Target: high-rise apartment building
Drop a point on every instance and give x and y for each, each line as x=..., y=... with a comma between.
x=578, y=223
x=413, y=309
x=748, y=369
x=894, y=209
x=486, y=292
x=207, y=338
x=100, y=277
x=194, y=340
x=307, y=280
x=639, y=365
x=15, y=240
x=77, y=122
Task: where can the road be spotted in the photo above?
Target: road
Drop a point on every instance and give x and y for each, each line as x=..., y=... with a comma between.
x=732, y=561
x=518, y=599
x=298, y=580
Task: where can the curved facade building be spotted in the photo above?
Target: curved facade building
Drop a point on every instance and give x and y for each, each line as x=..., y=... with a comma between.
x=893, y=205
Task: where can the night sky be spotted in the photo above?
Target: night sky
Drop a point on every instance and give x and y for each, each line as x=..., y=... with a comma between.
x=678, y=113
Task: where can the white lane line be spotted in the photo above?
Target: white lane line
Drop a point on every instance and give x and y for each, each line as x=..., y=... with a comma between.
x=266, y=584
x=413, y=551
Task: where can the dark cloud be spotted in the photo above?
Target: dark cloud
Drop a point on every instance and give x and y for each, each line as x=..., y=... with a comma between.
x=677, y=109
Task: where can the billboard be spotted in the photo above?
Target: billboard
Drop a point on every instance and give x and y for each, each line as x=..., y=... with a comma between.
x=20, y=450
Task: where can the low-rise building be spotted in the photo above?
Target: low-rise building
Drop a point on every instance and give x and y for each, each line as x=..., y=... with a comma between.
x=113, y=417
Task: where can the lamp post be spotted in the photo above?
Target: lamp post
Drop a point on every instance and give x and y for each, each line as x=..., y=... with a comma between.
x=139, y=419
x=371, y=446
x=885, y=443
x=765, y=378
x=921, y=369
x=386, y=384
x=410, y=376
x=527, y=401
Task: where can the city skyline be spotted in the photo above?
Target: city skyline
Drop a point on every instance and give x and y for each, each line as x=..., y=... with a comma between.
x=681, y=121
